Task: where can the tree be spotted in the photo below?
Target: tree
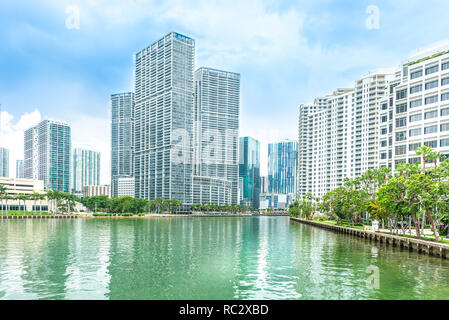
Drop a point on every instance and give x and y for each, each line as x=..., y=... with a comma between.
x=3, y=196
x=424, y=151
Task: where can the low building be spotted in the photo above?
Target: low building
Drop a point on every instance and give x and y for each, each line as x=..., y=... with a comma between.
x=92, y=191
x=274, y=201
x=125, y=187
x=28, y=187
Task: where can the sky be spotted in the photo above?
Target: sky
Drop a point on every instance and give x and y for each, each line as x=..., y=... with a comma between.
x=63, y=59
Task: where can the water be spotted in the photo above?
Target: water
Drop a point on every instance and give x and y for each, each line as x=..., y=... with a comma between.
x=205, y=258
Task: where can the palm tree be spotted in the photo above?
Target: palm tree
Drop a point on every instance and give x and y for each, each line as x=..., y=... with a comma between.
x=3, y=195
x=435, y=156
x=424, y=151
x=34, y=196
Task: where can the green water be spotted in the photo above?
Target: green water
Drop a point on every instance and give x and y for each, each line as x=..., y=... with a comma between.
x=205, y=258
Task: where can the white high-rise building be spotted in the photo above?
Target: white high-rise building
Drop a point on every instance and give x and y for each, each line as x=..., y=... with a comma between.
x=338, y=135
x=85, y=169
x=163, y=119
x=415, y=110
x=216, y=137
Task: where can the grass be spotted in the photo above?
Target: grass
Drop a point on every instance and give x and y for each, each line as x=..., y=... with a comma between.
x=108, y=214
x=360, y=226
x=27, y=213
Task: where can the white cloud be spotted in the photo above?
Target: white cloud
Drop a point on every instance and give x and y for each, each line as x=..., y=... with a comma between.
x=11, y=135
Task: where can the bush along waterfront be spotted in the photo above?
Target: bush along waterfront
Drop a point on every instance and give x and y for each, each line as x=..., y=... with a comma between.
x=415, y=198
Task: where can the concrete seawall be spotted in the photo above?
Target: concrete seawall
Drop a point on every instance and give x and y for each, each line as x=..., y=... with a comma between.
x=420, y=246
x=61, y=216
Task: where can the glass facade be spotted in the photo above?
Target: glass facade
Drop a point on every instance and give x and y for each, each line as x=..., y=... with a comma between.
x=282, y=167
x=122, y=137
x=163, y=119
x=4, y=162
x=249, y=171
x=85, y=169
x=47, y=150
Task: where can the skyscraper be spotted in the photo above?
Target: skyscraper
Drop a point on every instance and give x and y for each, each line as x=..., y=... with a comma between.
x=19, y=169
x=282, y=167
x=85, y=169
x=47, y=150
x=216, y=134
x=249, y=171
x=122, y=110
x=4, y=162
x=163, y=119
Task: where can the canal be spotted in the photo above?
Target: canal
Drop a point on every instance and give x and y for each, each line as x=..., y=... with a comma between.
x=206, y=258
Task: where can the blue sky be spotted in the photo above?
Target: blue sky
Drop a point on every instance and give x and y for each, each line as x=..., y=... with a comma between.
x=287, y=53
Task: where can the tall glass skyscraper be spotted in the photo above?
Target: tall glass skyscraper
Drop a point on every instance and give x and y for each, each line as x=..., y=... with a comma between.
x=282, y=167
x=47, y=151
x=85, y=169
x=249, y=171
x=163, y=119
x=216, y=134
x=122, y=115
x=19, y=169
x=4, y=162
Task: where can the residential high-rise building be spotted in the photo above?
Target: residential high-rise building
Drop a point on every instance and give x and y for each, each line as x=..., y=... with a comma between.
x=19, y=169
x=163, y=119
x=4, y=162
x=122, y=161
x=125, y=187
x=415, y=110
x=47, y=150
x=216, y=134
x=92, y=191
x=282, y=167
x=338, y=136
x=85, y=169
x=249, y=171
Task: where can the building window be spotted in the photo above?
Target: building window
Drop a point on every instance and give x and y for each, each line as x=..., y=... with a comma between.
x=401, y=122
x=401, y=94
x=414, y=160
x=383, y=131
x=416, y=74
x=383, y=155
x=385, y=105
x=384, y=119
x=401, y=108
x=413, y=146
x=445, y=112
x=432, y=144
x=444, y=127
x=416, y=103
x=431, y=114
x=415, y=89
x=401, y=136
x=445, y=81
x=445, y=66
x=431, y=70
x=431, y=84
x=444, y=143
x=400, y=150
x=415, y=132
x=431, y=99
x=445, y=96
x=415, y=117
x=430, y=129
x=383, y=143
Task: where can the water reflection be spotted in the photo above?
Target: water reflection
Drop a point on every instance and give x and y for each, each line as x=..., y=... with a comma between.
x=204, y=258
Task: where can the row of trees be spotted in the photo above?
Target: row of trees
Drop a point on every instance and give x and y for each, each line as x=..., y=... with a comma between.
x=60, y=201
x=233, y=208
x=415, y=196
